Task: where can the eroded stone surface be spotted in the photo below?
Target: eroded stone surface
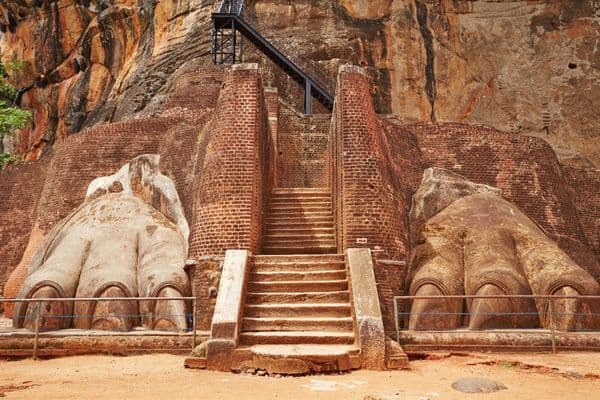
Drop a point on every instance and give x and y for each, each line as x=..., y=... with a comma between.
x=483, y=245
x=116, y=244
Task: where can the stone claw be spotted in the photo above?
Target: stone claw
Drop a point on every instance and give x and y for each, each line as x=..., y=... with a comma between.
x=169, y=315
x=46, y=315
x=113, y=315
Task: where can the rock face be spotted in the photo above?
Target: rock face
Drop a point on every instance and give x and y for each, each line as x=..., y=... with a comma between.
x=530, y=68
x=128, y=239
x=88, y=62
x=483, y=245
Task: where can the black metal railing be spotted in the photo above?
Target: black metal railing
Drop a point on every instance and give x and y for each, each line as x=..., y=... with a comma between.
x=230, y=7
x=290, y=50
x=231, y=17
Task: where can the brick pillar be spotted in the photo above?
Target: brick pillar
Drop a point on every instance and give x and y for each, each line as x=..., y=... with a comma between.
x=228, y=203
x=365, y=197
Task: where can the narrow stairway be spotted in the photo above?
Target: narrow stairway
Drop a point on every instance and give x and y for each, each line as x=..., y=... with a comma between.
x=300, y=221
x=298, y=313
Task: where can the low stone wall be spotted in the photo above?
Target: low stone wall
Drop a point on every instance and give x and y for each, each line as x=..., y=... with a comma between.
x=71, y=342
x=498, y=341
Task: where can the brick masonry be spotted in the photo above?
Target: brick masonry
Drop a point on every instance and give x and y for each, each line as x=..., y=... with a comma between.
x=20, y=188
x=584, y=188
x=302, y=146
x=230, y=191
x=369, y=210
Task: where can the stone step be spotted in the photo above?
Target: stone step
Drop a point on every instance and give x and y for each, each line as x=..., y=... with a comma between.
x=300, y=223
x=293, y=230
x=301, y=191
x=296, y=337
x=279, y=237
x=299, y=200
x=304, y=266
x=273, y=276
x=299, y=249
x=305, y=242
x=304, y=214
x=342, y=296
x=274, y=206
x=300, y=259
x=251, y=324
x=297, y=359
x=298, y=310
x=298, y=286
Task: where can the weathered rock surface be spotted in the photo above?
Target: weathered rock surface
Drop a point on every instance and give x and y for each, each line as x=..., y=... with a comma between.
x=439, y=188
x=128, y=239
x=477, y=385
x=483, y=245
x=528, y=67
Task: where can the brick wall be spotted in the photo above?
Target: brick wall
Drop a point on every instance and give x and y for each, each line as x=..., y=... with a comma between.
x=20, y=188
x=302, y=146
x=584, y=188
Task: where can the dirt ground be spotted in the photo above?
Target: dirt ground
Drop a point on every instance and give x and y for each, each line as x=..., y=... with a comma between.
x=526, y=376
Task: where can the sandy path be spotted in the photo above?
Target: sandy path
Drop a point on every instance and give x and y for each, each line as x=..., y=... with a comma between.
x=163, y=377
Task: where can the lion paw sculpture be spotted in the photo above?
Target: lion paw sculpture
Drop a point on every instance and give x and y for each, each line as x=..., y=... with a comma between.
x=467, y=240
x=128, y=239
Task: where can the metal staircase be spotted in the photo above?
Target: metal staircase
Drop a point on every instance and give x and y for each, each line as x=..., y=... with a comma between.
x=232, y=23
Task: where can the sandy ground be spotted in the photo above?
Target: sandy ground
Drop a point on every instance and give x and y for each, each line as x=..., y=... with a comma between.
x=542, y=376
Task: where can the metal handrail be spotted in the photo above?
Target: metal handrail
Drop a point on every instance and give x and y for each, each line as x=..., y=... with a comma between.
x=308, y=66
x=230, y=7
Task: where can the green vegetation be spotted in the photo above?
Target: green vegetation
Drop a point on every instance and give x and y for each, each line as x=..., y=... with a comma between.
x=12, y=118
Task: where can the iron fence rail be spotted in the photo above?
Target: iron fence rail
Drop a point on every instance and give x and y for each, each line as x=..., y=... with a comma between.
x=36, y=332
x=552, y=314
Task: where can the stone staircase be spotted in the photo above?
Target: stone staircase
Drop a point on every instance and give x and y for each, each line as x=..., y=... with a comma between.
x=299, y=221
x=298, y=315
x=295, y=310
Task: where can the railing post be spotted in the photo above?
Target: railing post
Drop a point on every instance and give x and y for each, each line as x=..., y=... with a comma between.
x=552, y=329
x=307, y=97
x=194, y=323
x=396, y=322
x=37, y=331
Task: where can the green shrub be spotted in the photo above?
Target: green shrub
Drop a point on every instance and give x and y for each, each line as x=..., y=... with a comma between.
x=12, y=117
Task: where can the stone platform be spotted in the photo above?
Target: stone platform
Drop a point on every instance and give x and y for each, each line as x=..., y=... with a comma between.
x=522, y=340
x=69, y=342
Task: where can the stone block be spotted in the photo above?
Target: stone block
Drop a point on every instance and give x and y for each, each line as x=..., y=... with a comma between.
x=230, y=298
x=218, y=354
x=367, y=311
